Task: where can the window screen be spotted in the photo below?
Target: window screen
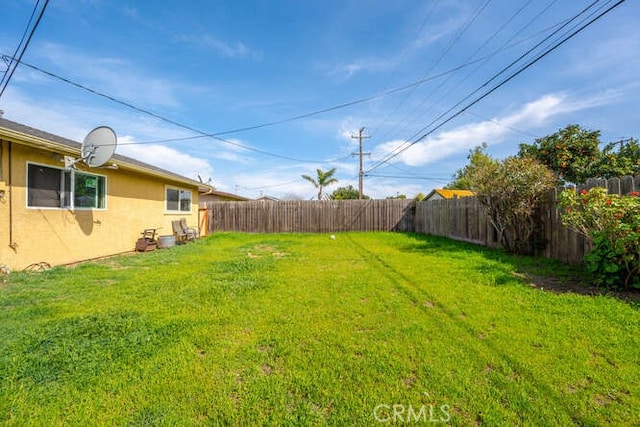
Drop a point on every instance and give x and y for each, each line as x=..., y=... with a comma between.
x=58, y=188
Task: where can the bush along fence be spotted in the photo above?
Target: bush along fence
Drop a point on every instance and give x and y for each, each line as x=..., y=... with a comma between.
x=305, y=216
x=464, y=219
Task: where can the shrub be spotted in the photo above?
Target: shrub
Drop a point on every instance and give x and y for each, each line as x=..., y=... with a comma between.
x=510, y=192
x=612, y=223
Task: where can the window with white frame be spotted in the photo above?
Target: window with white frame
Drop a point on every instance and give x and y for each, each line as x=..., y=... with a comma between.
x=178, y=199
x=49, y=187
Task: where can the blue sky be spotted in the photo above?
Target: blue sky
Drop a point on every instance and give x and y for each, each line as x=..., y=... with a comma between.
x=221, y=66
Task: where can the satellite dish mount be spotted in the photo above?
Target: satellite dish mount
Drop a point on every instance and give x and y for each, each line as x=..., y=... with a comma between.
x=97, y=148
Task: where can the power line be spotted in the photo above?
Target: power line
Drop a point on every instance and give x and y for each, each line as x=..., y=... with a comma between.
x=495, y=87
x=412, y=42
x=477, y=50
x=282, y=184
x=505, y=69
x=495, y=76
x=425, y=178
x=22, y=46
x=201, y=134
x=446, y=50
x=496, y=122
x=24, y=35
x=216, y=135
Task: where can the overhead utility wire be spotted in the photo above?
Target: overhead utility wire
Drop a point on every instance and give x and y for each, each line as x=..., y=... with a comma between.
x=216, y=135
x=369, y=98
x=24, y=35
x=476, y=51
x=504, y=44
x=263, y=125
x=403, y=54
x=445, y=51
x=200, y=133
x=425, y=178
x=10, y=70
x=498, y=123
x=408, y=144
x=494, y=88
x=505, y=69
x=523, y=56
x=268, y=186
x=412, y=42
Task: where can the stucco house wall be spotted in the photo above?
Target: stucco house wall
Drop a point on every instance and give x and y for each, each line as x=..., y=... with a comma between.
x=135, y=199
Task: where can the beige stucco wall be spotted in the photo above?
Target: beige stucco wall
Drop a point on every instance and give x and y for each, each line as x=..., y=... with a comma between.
x=134, y=202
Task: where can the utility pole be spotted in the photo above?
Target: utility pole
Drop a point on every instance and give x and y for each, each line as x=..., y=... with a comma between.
x=360, y=137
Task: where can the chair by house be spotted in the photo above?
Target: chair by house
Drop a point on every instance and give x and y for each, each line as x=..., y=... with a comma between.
x=181, y=235
x=193, y=231
x=148, y=240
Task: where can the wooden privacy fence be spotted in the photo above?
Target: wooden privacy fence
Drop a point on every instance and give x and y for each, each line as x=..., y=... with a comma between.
x=464, y=219
x=304, y=216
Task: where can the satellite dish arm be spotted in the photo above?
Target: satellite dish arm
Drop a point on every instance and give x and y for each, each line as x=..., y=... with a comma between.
x=90, y=154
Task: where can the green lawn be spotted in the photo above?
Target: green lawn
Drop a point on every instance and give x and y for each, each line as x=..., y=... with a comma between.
x=304, y=330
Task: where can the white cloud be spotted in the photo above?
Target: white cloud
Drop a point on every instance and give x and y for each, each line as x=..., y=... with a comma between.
x=131, y=12
x=461, y=139
x=233, y=151
x=437, y=31
x=75, y=120
x=165, y=157
x=370, y=64
x=49, y=116
x=230, y=50
x=114, y=76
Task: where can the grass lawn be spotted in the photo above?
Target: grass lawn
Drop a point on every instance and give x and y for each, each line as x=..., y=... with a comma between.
x=301, y=329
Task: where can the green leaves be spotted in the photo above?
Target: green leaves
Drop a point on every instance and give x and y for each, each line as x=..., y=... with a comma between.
x=510, y=190
x=574, y=155
x=612, y=222
x=323, y=179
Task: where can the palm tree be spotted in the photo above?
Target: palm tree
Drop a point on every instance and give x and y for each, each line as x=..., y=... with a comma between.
x=323, y=179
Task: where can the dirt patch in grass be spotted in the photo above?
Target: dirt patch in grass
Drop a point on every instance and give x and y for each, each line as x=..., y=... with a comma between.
x=257, y=251
x=576, y=285
x=267, y=369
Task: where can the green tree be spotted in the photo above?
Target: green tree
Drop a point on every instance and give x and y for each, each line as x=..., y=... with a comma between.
x=347, y=193
x=323, y=179
x=398, y=196
x=478, y=158
x=571, y=153
x=574, y=154
x=510, y=192
x=625, y=161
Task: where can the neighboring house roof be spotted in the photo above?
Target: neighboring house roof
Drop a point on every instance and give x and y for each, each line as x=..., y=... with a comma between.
x=268, y=199
x=443, y=193
x=23, y=134
x=221, y=195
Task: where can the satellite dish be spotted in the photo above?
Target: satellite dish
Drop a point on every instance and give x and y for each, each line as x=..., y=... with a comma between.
x=98, y=146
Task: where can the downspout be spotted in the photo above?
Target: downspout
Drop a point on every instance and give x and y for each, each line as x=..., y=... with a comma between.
x=12, y=244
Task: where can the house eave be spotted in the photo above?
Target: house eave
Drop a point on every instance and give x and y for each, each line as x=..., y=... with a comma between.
x=72, y=148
